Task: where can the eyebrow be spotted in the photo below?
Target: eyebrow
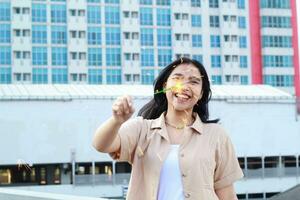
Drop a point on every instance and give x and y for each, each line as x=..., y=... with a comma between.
x=192, y=77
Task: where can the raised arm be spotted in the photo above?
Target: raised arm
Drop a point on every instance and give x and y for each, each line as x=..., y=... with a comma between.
x=105, y=139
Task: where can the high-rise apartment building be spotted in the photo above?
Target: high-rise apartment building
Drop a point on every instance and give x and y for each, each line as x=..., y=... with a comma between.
x=130, y=41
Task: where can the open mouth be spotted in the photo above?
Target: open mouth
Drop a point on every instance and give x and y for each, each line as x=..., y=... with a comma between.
x=182, y=97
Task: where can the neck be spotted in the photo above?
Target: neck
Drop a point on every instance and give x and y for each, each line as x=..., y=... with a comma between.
x=177, y=117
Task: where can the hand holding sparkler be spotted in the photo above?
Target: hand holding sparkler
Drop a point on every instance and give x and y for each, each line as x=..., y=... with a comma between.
x=122, y=109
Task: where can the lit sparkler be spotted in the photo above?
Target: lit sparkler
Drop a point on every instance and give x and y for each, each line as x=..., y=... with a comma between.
x=21, y=163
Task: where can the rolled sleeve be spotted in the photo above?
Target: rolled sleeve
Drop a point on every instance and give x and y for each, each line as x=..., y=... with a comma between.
x=129, y=134
x=227, y=169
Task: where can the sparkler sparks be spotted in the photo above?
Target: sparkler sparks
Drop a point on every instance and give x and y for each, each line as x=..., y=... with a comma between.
x=21, y=163
x=176, y=88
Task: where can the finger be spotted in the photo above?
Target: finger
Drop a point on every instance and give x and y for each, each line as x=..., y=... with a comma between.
x=125, y=104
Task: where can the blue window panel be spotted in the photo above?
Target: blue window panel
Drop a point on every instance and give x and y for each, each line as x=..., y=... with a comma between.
x=5, y=33
x=196, y=21
x=58, y=0
x=58, y=13
x=59, y=75
x=94, y=35
x=146, y=16
x=214, y=21
x=94, y=14
x=94, y=56
x=59, y=56
x=93, y=1
x=216, y=80
x=113, y=76
x=147, y=76
x=196, y=40
x=5, y=75
x=242, y=22
x=95, y=76
x=282, y=4
x=146, y=2
x=277, y=61
x=4, y=11
x=279, y=80
x=164, y=57
x=112, y=15
x=164, y=37
x=196, y=3
x=39, y=34
x=5, y=55
x=243, y=61
x=163, y=2
x=243, y=42
x=241, y=4
x=244, y=80
x=39, y=75
x=215, y=41
x=59, y=34
x=198, y=57
x=113, y=36
x=215, y=61
x=163, y=17
x=39, y=56
x=39, y=12
x=112, y=1
x=113, y=56
x=277, y=41
x=146, y=36
x=147, y=57
x=276, y=22
x=214, y=3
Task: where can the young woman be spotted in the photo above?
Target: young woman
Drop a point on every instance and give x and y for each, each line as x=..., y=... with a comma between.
x=176, y=152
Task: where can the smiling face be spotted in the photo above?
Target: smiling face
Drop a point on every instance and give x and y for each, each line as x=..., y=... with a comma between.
x=185, y=87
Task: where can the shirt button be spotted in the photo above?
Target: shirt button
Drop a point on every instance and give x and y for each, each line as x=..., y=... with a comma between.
x=187, y=195
x=183, y=175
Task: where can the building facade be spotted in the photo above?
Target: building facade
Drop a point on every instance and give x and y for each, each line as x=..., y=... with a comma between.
x=130, y=41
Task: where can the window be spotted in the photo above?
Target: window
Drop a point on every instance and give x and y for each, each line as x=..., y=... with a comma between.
x=215, y=61
x=113, y=56
x=163, y=17
x=276, y=22
x=196, y=20
x=39, y=12
x=147, y=57
x=5, y=75
x=112, y=1
x=94, y=57
x=214, y=3
x=271, y=164
x=196, y=3
x=113, y=76
x=163, y=2
x=254, y=166
x=277, y=41
x=243, y=62
x=164, y=37
x=59, y=56
x=59, y=34
x=5, y=55
x=283, y=4
x=94, y=35
x=59, y=75
x=39, y=34
x=147, y=76
x=215, y=41
x=242, y=22
x=197, y=57
x=214, y=21
x=243, y=42
x=95, y=76
x=164, y=57
x=112, y=15
x=196, y=40
x=216, y=79
x=94, y=14
x=146, y=36
x=146, y=2
x=277, y=61
x=5, y=33
x=93, y=1
x=241, y=4
x=112, y=35
x=58, y=13
x=279, y=80
x=39, y=56
x=244, y=80
x=39, y=75
x=146, y=16
x=4, y=11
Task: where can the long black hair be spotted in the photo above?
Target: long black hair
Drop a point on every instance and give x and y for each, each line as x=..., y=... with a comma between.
x=156, y=106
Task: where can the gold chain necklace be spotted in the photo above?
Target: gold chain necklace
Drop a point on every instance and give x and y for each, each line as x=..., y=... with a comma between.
x=177, y=127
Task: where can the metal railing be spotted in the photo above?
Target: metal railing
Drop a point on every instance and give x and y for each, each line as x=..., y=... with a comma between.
x=102, y=179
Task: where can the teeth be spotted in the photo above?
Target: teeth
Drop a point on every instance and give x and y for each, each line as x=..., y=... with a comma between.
x=182, y=96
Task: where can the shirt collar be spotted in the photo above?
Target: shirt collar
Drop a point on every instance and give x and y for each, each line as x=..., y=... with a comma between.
x=160, y=124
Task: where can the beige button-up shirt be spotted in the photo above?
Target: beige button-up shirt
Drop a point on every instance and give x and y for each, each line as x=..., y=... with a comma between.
x=207, y=158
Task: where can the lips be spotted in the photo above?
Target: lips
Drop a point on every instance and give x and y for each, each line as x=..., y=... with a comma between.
x=182, y=96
